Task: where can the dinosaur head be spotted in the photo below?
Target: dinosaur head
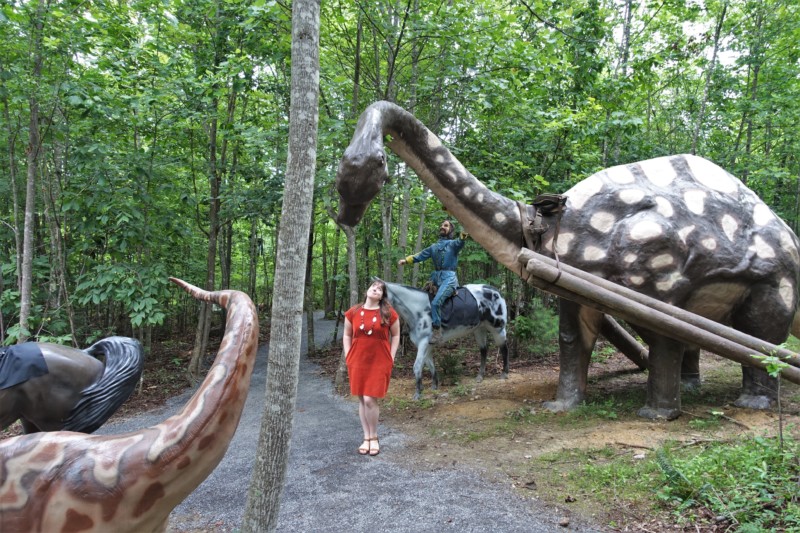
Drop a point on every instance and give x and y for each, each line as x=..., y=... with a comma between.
x=362, y=172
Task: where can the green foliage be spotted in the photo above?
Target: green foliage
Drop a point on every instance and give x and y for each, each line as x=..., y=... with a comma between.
x=449, y=367
x=539, y=331
x=752, y=483
x=140, y=293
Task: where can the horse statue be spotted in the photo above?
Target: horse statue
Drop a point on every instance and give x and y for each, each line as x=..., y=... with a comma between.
x=49, y=387
x=474, y=308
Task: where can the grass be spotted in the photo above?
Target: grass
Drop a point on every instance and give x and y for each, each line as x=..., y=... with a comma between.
x=398, y=403
x=747, y=485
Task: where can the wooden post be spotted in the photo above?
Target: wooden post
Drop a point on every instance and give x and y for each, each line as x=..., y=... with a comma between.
x=635, y=308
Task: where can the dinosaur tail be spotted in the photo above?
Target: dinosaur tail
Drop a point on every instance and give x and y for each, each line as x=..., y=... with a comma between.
x=124, y=361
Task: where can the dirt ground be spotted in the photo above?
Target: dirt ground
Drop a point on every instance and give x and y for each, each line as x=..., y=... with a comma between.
x=500, y=428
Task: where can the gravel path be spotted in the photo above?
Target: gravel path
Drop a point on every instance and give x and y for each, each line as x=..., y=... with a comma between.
x=330, y=488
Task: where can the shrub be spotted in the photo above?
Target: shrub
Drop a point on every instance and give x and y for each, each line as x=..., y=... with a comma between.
x=751, y=484
x=538, y=333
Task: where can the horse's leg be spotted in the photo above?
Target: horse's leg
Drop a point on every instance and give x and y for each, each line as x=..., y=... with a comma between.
x=499, y=337
x=28, y=426
x=419, y=364
x=9, y=411
x=431, y=367
x=504, y=352
x=482, y=340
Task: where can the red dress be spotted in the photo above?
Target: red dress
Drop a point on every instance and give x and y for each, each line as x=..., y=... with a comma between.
x=369, y=361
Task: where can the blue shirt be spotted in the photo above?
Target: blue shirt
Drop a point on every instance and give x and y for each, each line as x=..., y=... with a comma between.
x=444, y=254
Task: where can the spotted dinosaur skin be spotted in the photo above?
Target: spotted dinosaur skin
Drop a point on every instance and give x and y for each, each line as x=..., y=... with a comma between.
x=70, y=482
x=677, y=228
x=489, y=320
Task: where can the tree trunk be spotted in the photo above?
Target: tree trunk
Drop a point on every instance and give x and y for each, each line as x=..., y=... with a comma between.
x=309, y=293
x=420, y=236
x=204, y=318
x=340, y=381
x=269, y=471
x=253, y=263
x=34, y=146
x=709, y=73
x=387, y=199
x=405, y=214
x=12, y=173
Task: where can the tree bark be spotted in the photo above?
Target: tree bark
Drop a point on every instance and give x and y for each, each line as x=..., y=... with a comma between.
x=269, y=472
x=709, y=74
x=309, y=293
x=340, y=382
x=34, y=146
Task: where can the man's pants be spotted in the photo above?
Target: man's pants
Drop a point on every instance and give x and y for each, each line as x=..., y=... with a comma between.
x=444, y=292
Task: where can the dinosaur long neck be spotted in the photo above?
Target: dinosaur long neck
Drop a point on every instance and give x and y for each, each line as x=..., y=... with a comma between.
x=491, y=219
x=192, y=443
x=63, y=481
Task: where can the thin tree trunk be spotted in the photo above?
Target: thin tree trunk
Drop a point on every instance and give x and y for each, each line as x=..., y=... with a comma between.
x=709, y=74
x=12, y=173
x=327, y=305
x=387, y=199
x=420, y=236
x=309, y=292
x=34, y=146
x=340, y=380
x=405, y=214
x=204, y=318
x=254, y=253
x=269, y=471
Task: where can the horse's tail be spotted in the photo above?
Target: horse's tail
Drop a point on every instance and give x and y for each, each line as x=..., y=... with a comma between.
x=124, y=361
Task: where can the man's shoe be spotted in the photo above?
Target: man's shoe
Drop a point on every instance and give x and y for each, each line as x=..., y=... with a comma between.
x=436, y=337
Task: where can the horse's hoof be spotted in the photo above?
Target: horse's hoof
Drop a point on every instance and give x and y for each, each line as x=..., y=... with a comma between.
x=504, y=375
x=479, y=379
x=416, y=397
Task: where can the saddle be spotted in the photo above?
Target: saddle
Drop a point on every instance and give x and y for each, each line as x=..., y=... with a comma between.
x=532, y=226
x=19, y=363
x=459, y=309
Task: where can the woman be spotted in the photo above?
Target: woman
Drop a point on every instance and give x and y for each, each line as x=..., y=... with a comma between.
x=368, y=328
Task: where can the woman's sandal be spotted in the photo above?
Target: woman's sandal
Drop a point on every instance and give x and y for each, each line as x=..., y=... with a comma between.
x=374, y=451
x=365, y=447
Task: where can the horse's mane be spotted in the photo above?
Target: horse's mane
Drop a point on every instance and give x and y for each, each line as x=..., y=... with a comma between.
x=124, y=361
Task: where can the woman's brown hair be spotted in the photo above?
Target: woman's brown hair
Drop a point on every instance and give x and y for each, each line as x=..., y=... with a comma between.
x=385, y=306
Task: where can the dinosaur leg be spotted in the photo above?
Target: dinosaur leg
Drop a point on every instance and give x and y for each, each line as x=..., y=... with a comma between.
x=578, y=330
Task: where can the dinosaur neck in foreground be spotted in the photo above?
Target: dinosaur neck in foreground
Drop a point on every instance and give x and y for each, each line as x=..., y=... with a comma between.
x=491, y=219
x=63, y=481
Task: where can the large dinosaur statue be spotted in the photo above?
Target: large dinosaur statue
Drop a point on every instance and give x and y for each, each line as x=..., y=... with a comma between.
x=64, y=481
x=679, y=229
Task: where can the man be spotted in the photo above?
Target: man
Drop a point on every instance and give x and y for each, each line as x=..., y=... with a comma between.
x=444, y=254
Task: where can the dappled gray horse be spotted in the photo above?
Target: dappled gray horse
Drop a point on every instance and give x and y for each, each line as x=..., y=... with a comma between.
x=477, y=309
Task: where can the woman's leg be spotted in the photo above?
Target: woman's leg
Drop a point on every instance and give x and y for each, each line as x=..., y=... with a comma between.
x=362, y=410
x=371, y=414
